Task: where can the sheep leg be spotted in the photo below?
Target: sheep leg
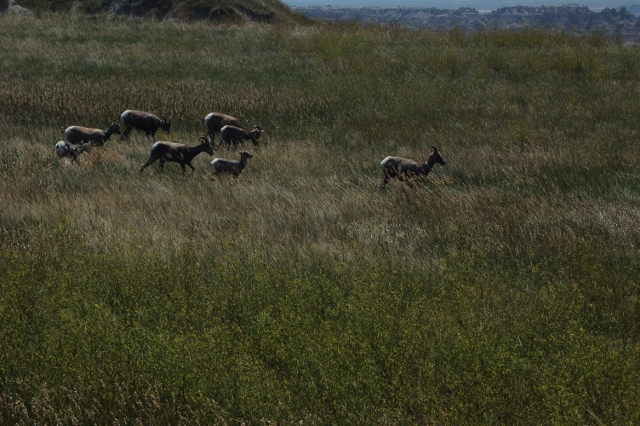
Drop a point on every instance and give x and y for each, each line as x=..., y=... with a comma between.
x=147, y=164
x=161, y=165
x=386, y=178
x=193, y=169
x=125, y=134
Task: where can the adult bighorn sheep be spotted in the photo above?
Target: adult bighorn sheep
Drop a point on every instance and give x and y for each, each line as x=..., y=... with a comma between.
x=222, y=165
x=215, y=121
x=79, y=135
x=67, y=149
x=237, y=135
x=177, y=153
x=145, y=121
x=406, y=170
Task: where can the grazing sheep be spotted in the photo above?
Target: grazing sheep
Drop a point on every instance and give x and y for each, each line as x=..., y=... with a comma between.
x=145, y=121
x=215, y=121
x=79, y=135
x=407, y=170
x=222, y=165
x=177, y=153
x=237, y=135
x=67, y=149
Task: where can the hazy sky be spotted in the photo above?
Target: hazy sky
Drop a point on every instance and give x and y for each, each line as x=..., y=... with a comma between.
x=596, y=5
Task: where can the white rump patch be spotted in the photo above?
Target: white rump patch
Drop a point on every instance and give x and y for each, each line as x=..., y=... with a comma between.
x=62, y=149
x=384, y=162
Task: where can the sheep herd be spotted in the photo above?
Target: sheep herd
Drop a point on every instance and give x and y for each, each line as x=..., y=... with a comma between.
x=77, y=140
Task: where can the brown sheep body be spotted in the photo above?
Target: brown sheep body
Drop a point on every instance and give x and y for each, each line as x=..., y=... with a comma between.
x=407, y=170
x=222, y=165
x=144, y=121
x=215, y=121
x=79, y=135
x=238, y=135
x=177, y=153
x=67, y=149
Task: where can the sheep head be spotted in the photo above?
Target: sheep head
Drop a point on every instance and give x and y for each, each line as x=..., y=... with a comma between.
x=165, y=124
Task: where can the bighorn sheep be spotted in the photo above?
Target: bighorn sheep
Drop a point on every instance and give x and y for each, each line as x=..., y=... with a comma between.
x=177, y=153
x=79, y=135
x=222, y=165
x=67, y=149
x=237, y=135
x=145, y=121
x=215, y=121
x=407, y=170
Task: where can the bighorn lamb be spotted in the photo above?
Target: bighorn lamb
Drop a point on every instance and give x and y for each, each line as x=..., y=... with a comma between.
x=145, y=121
x=237, y=135
x=79, y=135
x=222, y=165
x=406, y=170
x=67, y=149
x=177, y=153
x=215, y=121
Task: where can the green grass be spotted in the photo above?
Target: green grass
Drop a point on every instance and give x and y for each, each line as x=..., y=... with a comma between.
x=502, y=291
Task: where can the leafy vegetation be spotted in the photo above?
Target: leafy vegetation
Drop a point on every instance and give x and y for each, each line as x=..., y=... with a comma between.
x=502, y=291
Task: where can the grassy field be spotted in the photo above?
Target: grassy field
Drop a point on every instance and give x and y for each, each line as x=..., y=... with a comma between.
x=504, y=290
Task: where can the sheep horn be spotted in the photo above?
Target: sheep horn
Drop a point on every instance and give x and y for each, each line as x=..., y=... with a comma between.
x=434, y=148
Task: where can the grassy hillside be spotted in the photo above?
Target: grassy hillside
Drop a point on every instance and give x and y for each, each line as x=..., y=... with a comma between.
x=502, y=291
x=215, y=11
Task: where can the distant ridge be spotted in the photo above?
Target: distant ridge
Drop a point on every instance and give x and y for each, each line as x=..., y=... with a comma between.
x=620, y=24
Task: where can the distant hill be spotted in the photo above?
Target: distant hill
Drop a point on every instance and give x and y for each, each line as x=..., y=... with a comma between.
x=620, y=24
x=268, y=11
x=12, y=8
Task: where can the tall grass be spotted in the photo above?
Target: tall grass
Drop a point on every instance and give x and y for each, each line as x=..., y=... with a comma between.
x=503, y=291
